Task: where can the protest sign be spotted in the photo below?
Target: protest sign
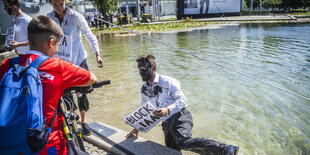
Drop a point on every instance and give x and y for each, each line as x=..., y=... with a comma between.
x=10, y=35
x=142, y=118
x=65, y=48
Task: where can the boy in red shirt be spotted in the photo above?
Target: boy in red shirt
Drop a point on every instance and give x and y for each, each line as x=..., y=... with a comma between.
x=56, y=75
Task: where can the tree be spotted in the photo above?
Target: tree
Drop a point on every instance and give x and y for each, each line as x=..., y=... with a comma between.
x=291, y=4
x=306, y=4
x=255, y=3
x=274, y=4
x=105, y=6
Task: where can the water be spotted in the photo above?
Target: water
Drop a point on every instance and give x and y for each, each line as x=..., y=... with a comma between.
x=226, y=106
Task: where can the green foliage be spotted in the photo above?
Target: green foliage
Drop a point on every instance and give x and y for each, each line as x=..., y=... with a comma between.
x=163, y=27
x=255, y=3
x=187, y=19
x=286, y=5
x=105, y=6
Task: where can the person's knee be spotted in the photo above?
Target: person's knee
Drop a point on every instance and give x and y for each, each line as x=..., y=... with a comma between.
x=182, y=143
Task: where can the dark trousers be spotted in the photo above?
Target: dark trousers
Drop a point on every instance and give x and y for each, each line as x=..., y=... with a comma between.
x=178, y=135
x=202, y=4
x=82, y=100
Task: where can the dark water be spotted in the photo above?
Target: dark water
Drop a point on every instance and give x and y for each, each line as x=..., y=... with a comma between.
x=226, y=106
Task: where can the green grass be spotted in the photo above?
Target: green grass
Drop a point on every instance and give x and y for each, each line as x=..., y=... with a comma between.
x=163, y=27
x=182, y=25
x=301, y=13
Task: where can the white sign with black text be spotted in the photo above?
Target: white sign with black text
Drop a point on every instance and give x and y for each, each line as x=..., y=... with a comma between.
x=65, y=48
x=10, y=35
x=142, y=118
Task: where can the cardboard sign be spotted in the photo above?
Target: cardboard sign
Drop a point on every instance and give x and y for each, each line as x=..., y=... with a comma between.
x=65, y=48
x=10, y=35
x=142, y=118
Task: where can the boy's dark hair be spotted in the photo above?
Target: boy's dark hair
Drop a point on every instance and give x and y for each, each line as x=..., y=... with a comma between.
x=145, y=59
x=40, y=26
x=13, y=2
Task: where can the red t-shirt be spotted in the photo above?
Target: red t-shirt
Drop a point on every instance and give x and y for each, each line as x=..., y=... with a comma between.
x=56, y=75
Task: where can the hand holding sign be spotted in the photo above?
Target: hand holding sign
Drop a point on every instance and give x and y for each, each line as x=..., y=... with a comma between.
x=162, y=112
x=143, y=118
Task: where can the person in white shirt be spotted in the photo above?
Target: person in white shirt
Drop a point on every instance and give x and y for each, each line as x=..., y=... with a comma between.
x=166, y=95
x=73, y=24
x=17, y=37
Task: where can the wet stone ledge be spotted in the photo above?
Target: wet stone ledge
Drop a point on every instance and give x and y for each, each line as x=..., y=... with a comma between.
x=94, y=150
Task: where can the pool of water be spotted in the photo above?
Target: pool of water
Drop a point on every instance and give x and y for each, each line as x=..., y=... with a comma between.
x=226, y=106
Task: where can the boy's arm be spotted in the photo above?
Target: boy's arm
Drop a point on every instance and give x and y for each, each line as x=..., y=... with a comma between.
x=92, y=80
x=75, y=76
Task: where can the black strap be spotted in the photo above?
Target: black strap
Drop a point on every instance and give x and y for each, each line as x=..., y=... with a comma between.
x=55, y=115
x=61, y=110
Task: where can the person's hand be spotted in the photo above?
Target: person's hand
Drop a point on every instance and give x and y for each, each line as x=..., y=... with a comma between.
x=162, y=112
x=7, y=49
x=133, y=132
x=99, y=61
x=14, y=44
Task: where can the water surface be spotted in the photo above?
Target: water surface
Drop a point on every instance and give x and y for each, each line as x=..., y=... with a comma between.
x=226, y=106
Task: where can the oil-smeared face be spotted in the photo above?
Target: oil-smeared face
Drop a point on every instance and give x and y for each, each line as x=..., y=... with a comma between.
x=145, y=70
x=58, y=6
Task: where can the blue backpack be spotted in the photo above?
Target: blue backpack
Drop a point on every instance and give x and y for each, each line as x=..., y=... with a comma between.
x=22, y=125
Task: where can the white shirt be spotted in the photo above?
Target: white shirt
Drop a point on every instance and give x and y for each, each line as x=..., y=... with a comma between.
x=21, y=33
x=73, y=24
x=164, y=92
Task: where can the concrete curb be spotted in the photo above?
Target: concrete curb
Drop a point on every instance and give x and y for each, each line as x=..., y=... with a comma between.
x=113, y=140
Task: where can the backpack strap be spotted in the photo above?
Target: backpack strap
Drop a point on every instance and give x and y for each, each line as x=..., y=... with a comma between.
x=38, y=61
x=54, y=117
x=15, y=61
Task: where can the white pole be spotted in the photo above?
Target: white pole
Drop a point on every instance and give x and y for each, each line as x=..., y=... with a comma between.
x=138, y=10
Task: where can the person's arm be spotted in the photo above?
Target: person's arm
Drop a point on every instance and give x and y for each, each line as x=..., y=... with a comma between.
x=133, y=132
x=92, y=80
x=179, y=103
x=15, y=44
x=74, y=76
x=92, y=40
x=99, y=60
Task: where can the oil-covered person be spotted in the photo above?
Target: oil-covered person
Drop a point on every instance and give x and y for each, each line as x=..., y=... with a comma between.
x=166, y=95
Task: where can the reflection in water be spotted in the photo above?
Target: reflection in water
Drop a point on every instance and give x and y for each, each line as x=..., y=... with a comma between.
x=226, y=106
